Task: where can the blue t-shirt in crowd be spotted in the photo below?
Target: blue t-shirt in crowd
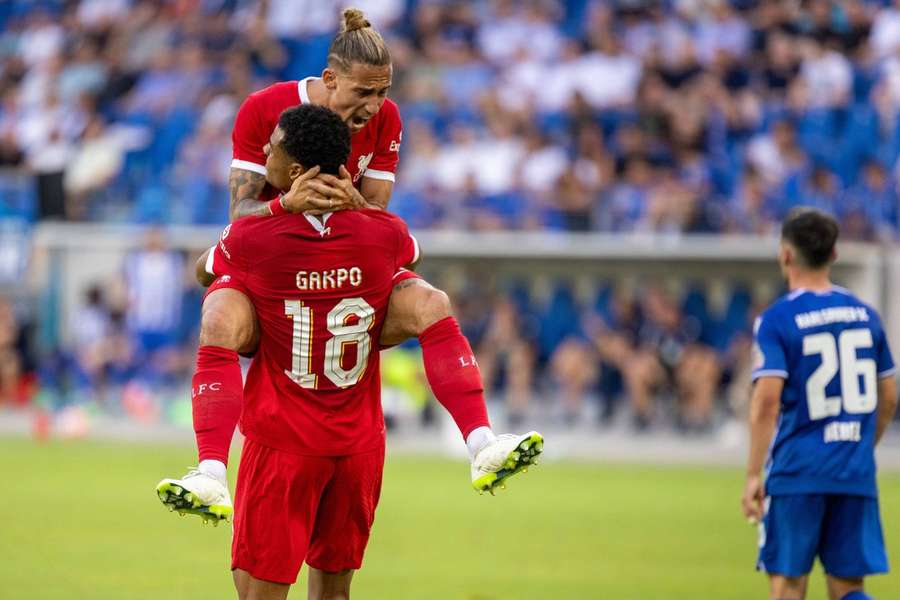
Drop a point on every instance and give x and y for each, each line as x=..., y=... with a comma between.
x=830, y=349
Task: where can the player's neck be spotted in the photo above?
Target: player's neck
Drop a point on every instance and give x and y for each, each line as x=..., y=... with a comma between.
x=814, y=281
x=317, y=92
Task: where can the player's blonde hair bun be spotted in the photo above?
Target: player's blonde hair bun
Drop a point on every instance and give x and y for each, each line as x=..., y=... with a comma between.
x=353, y=19
x=357, y=42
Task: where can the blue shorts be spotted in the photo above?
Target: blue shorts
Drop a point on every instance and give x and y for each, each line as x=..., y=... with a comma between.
x=843, y=531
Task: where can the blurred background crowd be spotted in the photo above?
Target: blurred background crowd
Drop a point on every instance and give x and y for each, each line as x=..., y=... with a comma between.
x=652, y=115
x=620, y=116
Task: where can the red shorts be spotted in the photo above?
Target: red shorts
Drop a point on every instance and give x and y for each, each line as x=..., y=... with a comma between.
x=291, y=508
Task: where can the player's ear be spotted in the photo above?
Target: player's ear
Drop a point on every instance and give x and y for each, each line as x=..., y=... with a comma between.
x=329, y=78
x=785, y=256
x=296, y=170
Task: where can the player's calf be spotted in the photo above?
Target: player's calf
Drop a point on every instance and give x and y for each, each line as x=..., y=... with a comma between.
x=840, y=588
x=787, y=588
x=251, y=588
x=329, y=586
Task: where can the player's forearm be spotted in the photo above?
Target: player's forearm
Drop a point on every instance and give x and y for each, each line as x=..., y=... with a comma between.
x=887, y=405
x=249, y=207
x=246, y=188
x=376, y=192
x=763, y=419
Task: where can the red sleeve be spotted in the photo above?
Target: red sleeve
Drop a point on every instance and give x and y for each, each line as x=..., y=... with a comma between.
x=249, y=136
x=228, y=256
x=387, y=149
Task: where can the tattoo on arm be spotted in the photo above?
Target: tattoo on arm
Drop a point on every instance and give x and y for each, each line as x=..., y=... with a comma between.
x=409, y=283
x=245, y=187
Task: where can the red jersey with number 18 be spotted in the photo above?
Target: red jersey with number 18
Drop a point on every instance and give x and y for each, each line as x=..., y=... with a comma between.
x=321, y=291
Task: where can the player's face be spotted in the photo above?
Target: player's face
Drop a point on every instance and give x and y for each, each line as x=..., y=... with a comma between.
x=357, y=95
x=281, y=169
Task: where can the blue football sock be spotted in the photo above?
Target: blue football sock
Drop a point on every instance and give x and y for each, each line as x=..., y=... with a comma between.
x=857, y=595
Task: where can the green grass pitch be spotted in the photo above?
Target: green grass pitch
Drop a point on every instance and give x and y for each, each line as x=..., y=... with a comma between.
x=81, y=520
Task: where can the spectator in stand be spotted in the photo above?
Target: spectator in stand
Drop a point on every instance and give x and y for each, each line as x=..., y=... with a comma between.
x=614, y=329
x=10, y=355
x=41, y=39
x=10, y=149
x=750, y=210
x=574, y=201
x=670, y=356
x=84, y=72
x=869, y=209
x=103, y=355
x=776, y=156
x=91, y=168
x=153, y=311
x=826, y=74
x=47, y=134
x=885, y=40
x=573, y=367
x=202, y=167
x=625, y=205
x=506, y=349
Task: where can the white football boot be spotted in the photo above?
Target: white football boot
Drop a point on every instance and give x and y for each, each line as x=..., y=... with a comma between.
x=504, y=457
x=197, y=493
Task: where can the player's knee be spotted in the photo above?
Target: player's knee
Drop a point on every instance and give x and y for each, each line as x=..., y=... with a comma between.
x=216, y=329
x=329, y=585
x=788, y=588
x=226, y=324
x=432, y=306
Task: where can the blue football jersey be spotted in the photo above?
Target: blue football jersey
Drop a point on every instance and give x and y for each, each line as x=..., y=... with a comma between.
x=830, y=349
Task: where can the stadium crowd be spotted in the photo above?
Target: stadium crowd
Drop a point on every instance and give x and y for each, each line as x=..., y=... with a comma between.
x=680, y=115
x=661, y=116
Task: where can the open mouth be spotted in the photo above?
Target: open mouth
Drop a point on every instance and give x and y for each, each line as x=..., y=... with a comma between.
x=358, y=121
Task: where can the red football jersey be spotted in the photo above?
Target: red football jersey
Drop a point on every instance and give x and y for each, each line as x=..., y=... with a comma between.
x=321, y=292
x=374, y=150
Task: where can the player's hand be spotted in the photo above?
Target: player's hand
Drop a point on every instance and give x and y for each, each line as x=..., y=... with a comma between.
x=752, y=499
x=340, y=190
x=302, y=197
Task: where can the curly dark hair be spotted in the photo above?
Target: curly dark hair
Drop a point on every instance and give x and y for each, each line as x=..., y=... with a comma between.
x=315, y=135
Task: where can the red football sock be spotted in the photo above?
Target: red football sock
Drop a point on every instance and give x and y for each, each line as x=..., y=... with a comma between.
x=216, y=394
x=454, y=375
